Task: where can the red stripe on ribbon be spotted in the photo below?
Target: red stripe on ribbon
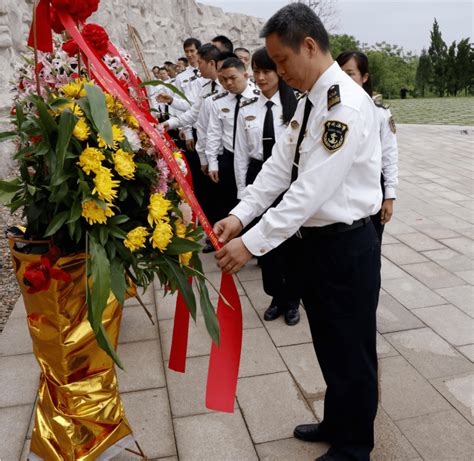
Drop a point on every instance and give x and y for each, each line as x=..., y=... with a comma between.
x=179, y=343
x=44, y=36
x=225, y=359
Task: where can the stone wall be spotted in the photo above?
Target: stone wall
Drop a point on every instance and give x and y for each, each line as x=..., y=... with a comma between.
x=162, y=26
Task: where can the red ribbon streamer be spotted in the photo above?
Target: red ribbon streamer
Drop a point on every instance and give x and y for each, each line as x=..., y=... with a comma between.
x=44, y=36
x=179, y=343
x=225, y=359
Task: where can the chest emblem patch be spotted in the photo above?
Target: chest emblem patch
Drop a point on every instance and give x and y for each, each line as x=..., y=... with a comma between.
x=334, y=135
x=225, y=109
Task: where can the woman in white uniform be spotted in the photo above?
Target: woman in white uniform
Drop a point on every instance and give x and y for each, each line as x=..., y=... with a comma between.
x=356, y=65
x=261, y=121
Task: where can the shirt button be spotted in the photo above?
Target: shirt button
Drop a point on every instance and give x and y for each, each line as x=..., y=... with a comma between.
x=262, y=250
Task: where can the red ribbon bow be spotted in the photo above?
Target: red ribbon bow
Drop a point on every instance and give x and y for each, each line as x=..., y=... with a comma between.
x=38, y=275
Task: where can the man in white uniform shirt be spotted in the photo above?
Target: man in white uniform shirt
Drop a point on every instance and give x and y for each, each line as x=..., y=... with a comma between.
x=329, y=159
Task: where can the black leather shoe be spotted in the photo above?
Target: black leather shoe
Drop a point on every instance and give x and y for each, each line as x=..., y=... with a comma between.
x=208, y=248
x=272, y=313
x=327, y=457
x=292, y=317
x=310, y=433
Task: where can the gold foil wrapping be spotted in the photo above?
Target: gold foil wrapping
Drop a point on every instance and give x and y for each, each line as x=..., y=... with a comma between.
x=79, y=413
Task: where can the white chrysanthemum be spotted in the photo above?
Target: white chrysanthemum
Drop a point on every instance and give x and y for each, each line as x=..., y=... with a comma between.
x=187, y=213
x=132, y=138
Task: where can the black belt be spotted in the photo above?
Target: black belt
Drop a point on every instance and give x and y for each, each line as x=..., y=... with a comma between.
x=331, y=229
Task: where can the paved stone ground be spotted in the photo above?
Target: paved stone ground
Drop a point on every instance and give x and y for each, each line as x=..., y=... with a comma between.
x=426, y=343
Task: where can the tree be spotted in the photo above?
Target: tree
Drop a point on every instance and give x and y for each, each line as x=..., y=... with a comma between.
x=343, y=42
x=423, y=72
x=438, y=56
x=327, y=11
x=452, y=77
x=465, y=65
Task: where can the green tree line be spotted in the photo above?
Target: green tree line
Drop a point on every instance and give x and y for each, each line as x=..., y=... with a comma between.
x=440, y=70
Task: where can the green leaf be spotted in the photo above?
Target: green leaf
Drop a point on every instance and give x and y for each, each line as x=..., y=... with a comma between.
x=47, y=121
x=119, y=219
x=8, y=135
x=103, y=234
x=209, y=314
x=117, y=232
x=83, y=103
x=117, y=279
x=20, y=116
x=56, y=223
x=11, y=185
x=76, y=211
x=180, y=245
x=183, y=285
x=104, y=342
x=99, y=113
x=31, y=189
x=67, y=122
x=99, y=268
x=170, y=86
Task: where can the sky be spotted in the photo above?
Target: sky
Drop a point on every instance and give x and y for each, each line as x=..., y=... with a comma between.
x=405, y=23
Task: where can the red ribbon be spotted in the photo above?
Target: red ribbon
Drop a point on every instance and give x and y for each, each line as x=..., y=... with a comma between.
x=42, y=24
x=225, y=359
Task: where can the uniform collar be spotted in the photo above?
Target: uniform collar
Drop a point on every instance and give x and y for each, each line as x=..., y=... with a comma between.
x=328, y=77
x=275, y=99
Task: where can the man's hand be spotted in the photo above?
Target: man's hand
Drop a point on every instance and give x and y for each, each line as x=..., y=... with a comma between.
x=190, y=144
x=204, y=169
x=228, y=228
x=233, y=256
x=166, y=126
x=387, y=211
x=214, y=175
x=182, y=135
x=164, y=98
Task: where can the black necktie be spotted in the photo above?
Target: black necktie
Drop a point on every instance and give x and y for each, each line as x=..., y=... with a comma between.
x=213, y=86
x=238, y=97
x=196, y=71
x=268, y=136
x=296, y=161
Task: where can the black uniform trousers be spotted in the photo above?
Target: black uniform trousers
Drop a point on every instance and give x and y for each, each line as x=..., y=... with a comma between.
x=376, y=218
x=281, y=266
x=341, y=283
x=226, y=190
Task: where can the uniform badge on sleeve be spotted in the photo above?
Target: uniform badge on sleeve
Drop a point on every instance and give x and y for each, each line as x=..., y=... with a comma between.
x=334, y=135
x=391, y=122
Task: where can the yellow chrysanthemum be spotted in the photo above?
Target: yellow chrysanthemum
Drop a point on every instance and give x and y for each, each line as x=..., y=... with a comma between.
x=132, y=121
x=180, y=229
x=136, y=238
x=158, y=208
x=117, y=136
x=75, y=109
x=74, y=89
x=90, y=160
x=105, y=185
x=124, y=164
x=162, y=235
x=113, y=104
x=184, y=258
x=81, y=130
x=94, y=213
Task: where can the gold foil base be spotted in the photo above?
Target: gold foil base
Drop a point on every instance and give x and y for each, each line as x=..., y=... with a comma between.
x=79, y=413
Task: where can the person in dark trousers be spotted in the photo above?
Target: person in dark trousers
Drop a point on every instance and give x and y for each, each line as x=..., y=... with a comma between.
x=356, y=65
x=328, y=161
x=259, y=124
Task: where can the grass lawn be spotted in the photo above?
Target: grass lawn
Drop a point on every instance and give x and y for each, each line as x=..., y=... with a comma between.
x=433, y=111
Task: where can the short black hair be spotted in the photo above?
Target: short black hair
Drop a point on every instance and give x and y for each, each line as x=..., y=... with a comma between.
x=242, y=49
x=225, y=41
x=223, y=55
x=167, y=63
x=190, y=42
x=209, y=52
x=362, y=64
x=293, y=23
x=183, y=60
x=233, y=62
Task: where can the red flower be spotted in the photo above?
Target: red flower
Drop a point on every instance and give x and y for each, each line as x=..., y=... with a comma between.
x=97, y=38
x=80, y=10
x=38, y=275
x=70, y=47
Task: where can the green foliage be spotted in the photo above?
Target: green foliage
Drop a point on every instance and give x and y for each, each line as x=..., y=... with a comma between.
x=438, y=56
x=423, y=72
x=343, y=42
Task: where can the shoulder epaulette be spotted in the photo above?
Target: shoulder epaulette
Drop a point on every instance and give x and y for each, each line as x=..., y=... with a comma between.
x=207, y=83
x=220, y=95
x=194, y=77
x=210, y=94
x=381, y=104
x=334, y=96
x=247, y=102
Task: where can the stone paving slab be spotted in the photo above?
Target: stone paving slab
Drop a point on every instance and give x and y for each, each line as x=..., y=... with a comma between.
x=14, y=420
x=286, y=449
x=392, y=316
